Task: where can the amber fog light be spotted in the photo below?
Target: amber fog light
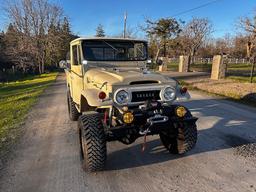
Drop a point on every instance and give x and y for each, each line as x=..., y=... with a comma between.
x=128, y=117
x=181, y=111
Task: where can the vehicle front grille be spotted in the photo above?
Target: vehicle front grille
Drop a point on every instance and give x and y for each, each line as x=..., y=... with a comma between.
x=139, y=96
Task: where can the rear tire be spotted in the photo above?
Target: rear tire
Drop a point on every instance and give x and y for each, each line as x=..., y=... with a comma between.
x=184, y=141
x=93, y=142
x=72, y=110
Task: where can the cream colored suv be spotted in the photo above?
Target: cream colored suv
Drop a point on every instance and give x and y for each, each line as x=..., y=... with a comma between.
x=114, y=96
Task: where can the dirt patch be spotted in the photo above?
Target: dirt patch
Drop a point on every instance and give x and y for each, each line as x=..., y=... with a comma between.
x=226, y=87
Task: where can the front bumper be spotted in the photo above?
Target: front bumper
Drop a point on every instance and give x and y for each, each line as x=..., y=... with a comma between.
x=150, y=123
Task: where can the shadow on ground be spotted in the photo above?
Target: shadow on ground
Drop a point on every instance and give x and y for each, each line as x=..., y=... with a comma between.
x=227, y=130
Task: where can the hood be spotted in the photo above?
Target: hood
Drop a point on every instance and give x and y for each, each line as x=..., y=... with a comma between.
x=123, y=76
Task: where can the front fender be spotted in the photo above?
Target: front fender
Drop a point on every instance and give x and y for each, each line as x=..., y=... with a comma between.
x=182, y=96
x=91, y=95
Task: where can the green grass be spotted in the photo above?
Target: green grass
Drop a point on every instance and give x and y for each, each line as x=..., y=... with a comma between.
x=242, y=79
x=16, y=98
x=239, y=66
x=173, y=66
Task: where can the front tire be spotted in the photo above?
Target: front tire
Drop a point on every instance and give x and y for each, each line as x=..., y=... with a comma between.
x=72, y=110
x=184, y=140
x=93, y=141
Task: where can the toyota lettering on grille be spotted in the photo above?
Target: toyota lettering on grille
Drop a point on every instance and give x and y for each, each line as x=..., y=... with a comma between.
x=145, y=95
x=139, y=95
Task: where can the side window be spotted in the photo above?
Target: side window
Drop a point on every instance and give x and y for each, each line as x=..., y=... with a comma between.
x=74, y=54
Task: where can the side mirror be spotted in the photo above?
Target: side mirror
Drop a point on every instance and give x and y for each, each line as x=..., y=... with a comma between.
x=63, y=64
x=149, y=62
x=159, y=62
x=84, y=62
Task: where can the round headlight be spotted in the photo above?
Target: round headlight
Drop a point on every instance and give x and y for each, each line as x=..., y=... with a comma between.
x=169, y=94
x=122, y=97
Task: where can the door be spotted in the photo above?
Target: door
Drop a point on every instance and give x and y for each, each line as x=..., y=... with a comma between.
x=76, y=73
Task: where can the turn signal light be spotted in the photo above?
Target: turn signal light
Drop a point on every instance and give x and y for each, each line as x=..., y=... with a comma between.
x=128, y=117
x=102, y=95
x=181, y=111
x=183, y=90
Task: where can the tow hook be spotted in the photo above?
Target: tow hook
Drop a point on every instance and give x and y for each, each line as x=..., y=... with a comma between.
x=151, y=121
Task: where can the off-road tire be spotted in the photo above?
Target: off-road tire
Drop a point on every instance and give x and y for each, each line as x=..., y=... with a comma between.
x=184, y=141
x=72, y=110
x=93, y=142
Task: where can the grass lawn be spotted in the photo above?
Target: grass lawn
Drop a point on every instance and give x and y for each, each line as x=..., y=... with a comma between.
x=16, y=98
x=242, y=79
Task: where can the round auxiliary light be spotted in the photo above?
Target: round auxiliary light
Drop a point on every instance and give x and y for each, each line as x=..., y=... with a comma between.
x=180, y=111
x=128, y=117
x=102, y=95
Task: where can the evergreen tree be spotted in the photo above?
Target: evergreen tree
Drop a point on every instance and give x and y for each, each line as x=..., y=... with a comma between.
x=100, y=31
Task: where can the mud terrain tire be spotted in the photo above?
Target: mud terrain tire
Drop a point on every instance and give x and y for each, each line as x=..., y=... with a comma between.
x=72, y=111
x=93, y=141
x=184, y=141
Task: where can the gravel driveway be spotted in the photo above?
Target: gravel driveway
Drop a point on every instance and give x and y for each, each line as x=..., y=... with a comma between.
x=47, y=157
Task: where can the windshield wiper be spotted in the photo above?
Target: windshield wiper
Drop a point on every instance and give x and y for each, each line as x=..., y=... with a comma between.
x=140, y=50
x=110, y=45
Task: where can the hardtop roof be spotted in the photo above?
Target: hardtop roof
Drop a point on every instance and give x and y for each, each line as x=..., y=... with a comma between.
x=106, y=38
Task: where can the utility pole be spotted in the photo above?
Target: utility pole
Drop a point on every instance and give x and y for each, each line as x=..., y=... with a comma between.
x=125, y=18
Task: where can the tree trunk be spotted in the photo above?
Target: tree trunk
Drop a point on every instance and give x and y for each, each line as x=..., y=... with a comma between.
x=252, y=69
x=164, y=48
x=42, y=67
x=39, y=68
x=157, y=54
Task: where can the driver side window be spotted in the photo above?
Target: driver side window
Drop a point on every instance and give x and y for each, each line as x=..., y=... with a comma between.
x=76, y=55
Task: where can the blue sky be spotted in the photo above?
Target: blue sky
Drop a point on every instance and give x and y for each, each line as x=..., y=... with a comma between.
x=85, y=15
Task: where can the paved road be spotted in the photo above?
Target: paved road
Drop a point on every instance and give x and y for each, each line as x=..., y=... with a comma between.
x=47, y=158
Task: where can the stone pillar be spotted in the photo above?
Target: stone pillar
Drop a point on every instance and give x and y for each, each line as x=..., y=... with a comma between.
x=184, y=63
x=163, y=67
x=218, y=67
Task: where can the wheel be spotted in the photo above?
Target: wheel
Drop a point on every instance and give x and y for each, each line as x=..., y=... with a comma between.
x=72, y=110
x=93, y=141
x=184, y=140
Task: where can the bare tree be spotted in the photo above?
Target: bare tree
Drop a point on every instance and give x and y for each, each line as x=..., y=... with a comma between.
x=131, y=32
x=32, y=20
x=194, y=34
x=249, y=26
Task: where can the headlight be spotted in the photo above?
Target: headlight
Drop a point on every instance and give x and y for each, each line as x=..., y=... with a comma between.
x=169, y=94
x=122, y=97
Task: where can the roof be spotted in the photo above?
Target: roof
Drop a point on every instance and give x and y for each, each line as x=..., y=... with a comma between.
x=106, y=38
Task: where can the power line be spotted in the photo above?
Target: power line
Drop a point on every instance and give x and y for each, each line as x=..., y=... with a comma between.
x=195, y=8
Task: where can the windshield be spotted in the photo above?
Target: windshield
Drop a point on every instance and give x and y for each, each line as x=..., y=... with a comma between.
x=109, y=50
